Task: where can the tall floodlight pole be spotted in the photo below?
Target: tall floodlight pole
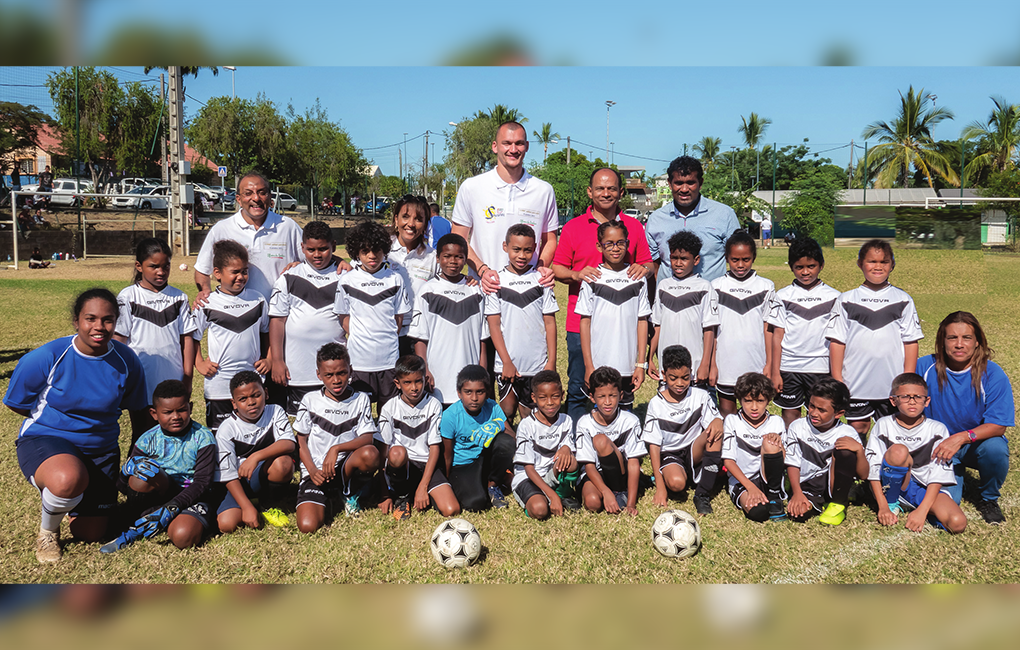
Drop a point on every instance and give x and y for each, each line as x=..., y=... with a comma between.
x=609, y=104
x=233, y=69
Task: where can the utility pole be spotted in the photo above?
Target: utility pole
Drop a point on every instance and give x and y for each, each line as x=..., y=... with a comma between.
x=178, y=221
x=425, y=167
x=850, y=176
x=609, y=104
x=162, y=134
x=571, y=178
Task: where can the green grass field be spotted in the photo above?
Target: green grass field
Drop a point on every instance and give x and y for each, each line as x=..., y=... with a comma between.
x=577, y=548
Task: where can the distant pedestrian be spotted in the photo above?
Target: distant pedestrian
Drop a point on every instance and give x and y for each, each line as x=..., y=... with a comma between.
x=766, y=231
x=438, y=225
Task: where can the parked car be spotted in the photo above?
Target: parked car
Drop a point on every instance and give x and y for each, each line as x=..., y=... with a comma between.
x=229, y=199
x=284, y=201
x=65, y=190
x=147, y=197
x=634, y=213
x=210, y=193
x=377, y=207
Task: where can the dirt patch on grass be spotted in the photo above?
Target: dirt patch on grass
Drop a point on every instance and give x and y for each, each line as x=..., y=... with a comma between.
x=102, y=268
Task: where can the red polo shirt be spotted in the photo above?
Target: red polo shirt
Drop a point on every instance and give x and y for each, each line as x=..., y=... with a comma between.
x=577, y=249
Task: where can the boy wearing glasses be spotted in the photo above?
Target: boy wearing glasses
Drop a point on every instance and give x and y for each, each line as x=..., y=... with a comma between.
x=903, y=474
x=614, y=314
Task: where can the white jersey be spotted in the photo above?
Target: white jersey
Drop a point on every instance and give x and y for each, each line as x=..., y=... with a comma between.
x=624, y=432
x=153, y=322
x=450, y=316
x=373, y=301
x=615, y=303
x=538, y=444
x=742, y=442
x=803, y=314
x=920, y=441
x=328, y=423
x=522, y=304
x=743, y=307
x=235, y=324
x=412, y=427
x=683, y=310
x=416, y=267
x=304, y=296
x=236, y=439
x=676, y=425
x=874, y=326
x=810, y=450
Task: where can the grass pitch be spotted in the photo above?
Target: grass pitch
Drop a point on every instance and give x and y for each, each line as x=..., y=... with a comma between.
x=577, y=548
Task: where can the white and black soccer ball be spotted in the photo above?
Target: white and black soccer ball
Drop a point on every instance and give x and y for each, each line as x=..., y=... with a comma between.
x=456, y=543
x=675, y=533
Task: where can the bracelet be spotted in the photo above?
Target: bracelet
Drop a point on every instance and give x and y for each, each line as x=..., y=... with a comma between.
x=481, y=272
x=643, y=366
x=973, y=436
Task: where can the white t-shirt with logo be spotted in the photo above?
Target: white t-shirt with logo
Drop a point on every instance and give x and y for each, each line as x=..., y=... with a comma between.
x=236, y=325
x=153, y=322
x=743, y=306
x=373, y=301
x=328, y=422
x=414, y=428
x=615, y=303
x=538, y=444
x=522, y=304
x=304, y=296
x=683, y=310
x=416, y=267
x=742, y=442
x=803, y=315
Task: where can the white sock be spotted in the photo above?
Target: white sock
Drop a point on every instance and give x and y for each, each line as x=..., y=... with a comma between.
x=54, y=508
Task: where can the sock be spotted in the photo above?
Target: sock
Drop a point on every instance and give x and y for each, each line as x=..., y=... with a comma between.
x=891, y=478
x=54, y=508
x=612, y=474
x=844, y=468
x=758, y=513
x=566, y=486
x=711, y=462
x=396, y=478
x=772, y=469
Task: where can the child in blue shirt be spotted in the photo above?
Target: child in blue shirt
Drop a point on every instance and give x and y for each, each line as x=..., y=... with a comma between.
x=477, y=452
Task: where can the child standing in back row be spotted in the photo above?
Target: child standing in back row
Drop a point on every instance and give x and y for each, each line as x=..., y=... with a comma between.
x=156, y=322
x=873, y=333
x=521, y=315
x=614, y=312
x=797, y=318
x=744, y=342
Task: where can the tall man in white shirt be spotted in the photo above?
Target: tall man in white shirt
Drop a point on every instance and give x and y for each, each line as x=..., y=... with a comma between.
x=489, y=203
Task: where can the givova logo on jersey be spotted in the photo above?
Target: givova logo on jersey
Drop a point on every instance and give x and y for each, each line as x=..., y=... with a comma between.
x=492, y=213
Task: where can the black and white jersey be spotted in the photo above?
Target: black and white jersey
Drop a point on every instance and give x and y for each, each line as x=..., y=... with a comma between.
x=874, y=326
x=328, y=423
x=614, y=303
x=373, y=301
x=676, y=425
x=920, y=441
x=416, y=267
x=521, y=303
x=683, y=310
x=236, y=439
x=235, y=324
x=153, y=322
x=412, y=427
x=743, y=307
x=811, y=450
x=304, y=296
x=624, y=432
x=742, y=442
x=803, y=314
x=538, y=444
x=450, y=316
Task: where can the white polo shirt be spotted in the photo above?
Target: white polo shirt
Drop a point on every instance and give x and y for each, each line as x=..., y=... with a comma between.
x=270, y=248
x=489, y=206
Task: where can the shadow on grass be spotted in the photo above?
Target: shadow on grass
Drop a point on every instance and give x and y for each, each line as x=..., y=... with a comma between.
x=9, y=356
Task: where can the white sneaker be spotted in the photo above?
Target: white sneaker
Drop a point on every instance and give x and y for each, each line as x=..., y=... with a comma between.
x=47, y=546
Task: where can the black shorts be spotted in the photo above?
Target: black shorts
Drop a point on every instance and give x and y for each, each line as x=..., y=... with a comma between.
x=216, y=411
x=614, y=477
x=294, y=396
x=738, y=489
x=729, y=392
x=795, y=388
x=521, y=387
x=681, y=457
x=100, y=497
x=379, y=384
x=340, y=486
x=816, y=490
x=415, y=472
x=203, y=511
x=527, y=489
x=865, y=409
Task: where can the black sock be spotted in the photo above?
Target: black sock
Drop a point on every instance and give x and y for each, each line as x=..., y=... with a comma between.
x=398, y=480
x=772, y=469
x=612, y=474
x=711, y=462
x=758, y=513
x=844, y=466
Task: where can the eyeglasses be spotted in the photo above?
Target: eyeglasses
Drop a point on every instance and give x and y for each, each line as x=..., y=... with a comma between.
x=615, y=244
x=909, y=398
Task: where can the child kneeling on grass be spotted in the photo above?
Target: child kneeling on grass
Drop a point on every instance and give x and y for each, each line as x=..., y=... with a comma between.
x=753, y=445
x=255, y=445
x=168, y=473
x=903, y=473
x=545, y=470
x=477, y=451
x=609, y=447
x=334, y=429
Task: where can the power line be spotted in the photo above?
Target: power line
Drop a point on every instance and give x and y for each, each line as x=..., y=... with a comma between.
x=398, y=144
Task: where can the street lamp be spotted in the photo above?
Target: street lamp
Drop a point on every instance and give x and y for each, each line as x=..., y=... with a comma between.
x=233, y=69
x=609, y=104
x=612, y=151
x=733, y=157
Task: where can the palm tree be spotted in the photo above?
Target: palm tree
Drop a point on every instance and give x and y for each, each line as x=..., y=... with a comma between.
x=708, y=150
x=545, y=137
x=998, y=137
x=500, y=114
x=907, y=143
x=753, y=129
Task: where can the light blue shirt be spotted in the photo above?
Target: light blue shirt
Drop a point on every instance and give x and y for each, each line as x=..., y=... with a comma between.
x=711, y=221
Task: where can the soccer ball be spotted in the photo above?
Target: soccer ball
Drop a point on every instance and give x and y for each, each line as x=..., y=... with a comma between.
x=456, y=543
x=184, y=267
x=676, y=534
